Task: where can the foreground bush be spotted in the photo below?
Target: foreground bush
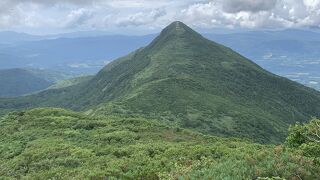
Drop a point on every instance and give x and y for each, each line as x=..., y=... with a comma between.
x=59, y=144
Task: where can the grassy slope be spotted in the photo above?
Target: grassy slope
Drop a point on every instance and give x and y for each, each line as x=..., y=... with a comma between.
x=196, y=83
x=60, y=144
x=70, y=82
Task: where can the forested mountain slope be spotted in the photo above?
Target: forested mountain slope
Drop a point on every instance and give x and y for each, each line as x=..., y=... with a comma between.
x=196, y=83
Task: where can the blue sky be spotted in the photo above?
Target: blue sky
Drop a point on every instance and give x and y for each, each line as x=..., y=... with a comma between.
x=147, y=16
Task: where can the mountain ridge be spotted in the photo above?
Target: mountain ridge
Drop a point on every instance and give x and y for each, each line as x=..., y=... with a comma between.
x=183, y=78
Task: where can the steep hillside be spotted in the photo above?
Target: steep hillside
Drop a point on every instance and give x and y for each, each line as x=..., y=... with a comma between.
x=183, y=78
x=60, y=144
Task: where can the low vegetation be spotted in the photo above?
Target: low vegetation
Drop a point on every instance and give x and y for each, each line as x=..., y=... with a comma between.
x=306, y=139
x=52, y=143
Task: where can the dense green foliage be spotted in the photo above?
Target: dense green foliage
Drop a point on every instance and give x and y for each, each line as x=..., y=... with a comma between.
x=183, y=78
x=60, y=144
x=306, y=138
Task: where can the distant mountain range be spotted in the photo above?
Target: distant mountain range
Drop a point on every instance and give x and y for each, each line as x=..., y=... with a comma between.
x=9, y=37
x=290, y=53
x=184, y=79
x=259, y=44
x=73, y=55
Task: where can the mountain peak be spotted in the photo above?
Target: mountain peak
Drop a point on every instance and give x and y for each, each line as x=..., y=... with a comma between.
x=177, y=25
x=178, y=28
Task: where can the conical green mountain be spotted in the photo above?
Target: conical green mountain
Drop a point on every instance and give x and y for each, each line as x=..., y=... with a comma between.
x=186, y=79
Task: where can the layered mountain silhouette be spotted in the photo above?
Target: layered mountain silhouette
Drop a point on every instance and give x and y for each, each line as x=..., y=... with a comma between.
x=15, y=82
x=185, y=79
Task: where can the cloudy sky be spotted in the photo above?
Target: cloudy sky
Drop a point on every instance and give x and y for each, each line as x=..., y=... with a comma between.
x=136, y=16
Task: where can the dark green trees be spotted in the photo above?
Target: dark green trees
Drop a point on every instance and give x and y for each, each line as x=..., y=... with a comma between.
x=306, y=138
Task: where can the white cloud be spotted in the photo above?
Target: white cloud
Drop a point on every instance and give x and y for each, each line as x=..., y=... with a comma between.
x=113, y=14
x=234, y=6
x=254, y=13
x=313, y=4
x=78, y=17
x=141, y=18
